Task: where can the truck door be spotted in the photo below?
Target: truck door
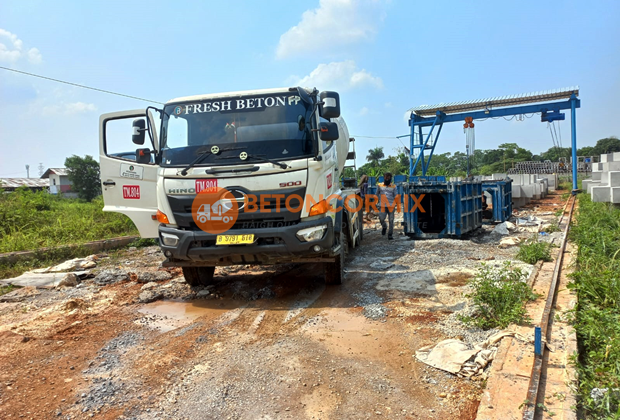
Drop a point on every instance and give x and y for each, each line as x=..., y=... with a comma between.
x=129, y=187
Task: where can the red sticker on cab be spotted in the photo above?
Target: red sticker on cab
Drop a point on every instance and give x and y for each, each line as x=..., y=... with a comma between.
x=131, y=192
x=329, y=181
x=208, y=185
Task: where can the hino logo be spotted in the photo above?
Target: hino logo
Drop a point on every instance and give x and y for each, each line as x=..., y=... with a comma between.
x=182, y=191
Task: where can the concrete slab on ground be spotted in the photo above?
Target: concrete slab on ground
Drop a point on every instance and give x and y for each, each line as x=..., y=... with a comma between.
x=39, y=280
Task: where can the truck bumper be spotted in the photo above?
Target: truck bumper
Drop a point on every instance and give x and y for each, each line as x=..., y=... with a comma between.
x=271, y=246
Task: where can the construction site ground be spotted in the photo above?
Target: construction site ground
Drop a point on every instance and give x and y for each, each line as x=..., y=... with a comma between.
x=135, y=341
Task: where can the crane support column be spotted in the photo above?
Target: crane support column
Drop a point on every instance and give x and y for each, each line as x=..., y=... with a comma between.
x=573, y=135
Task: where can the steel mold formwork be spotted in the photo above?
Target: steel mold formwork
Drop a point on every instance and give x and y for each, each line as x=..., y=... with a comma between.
x=451, y=208
x=501, y=198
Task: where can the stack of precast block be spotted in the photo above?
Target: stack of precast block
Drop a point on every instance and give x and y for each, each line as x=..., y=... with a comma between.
x=604, y=185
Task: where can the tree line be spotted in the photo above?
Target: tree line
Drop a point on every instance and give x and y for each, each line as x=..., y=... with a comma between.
x=482, y=162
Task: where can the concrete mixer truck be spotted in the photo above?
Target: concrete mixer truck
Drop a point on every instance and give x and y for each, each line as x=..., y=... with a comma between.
x=275, y=157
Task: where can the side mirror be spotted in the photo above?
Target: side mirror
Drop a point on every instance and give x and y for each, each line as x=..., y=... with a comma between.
x=139, y=127
x=143, y=155
x=328, y=131
x=330, y=105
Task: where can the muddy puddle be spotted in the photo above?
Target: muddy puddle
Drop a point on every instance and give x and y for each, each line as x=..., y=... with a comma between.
x=168, y=315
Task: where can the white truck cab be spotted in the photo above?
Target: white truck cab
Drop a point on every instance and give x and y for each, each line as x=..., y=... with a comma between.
x=275, y=157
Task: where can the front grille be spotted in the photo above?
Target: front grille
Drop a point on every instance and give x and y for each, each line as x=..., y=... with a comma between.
x=272, y=212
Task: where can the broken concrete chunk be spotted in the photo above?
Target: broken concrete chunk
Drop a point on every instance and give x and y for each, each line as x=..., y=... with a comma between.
x=149, y=296
x=149, y=286
x=111, y=276
x=70, y=265
x=69, y=280
x=501, y=229
x=149, y=276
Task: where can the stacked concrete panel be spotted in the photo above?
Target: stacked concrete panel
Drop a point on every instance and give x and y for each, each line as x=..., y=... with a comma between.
x=604, y=184
x=527, y=187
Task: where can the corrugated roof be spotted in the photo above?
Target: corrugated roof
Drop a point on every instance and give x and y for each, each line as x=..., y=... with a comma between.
x=497, y=102
x=57, y=171
x=20, y=182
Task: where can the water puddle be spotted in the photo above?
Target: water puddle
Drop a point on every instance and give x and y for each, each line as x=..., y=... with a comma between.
x=168, y=315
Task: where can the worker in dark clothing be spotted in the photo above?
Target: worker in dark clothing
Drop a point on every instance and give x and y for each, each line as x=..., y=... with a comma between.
x=486, y=213
x=363, y=186
x=386, y=194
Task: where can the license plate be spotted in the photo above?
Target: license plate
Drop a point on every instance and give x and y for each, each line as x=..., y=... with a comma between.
x=234, y=239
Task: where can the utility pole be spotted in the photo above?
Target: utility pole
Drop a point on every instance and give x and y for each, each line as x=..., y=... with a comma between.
x=41, y=169
x=27, y=171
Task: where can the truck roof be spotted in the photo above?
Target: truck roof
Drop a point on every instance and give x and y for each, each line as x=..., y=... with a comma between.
x=209, y=96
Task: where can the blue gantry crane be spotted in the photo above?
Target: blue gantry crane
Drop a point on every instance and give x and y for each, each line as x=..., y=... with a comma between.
x=453, y=207
x=548, y=104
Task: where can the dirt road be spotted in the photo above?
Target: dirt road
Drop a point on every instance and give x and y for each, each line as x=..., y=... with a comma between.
x=261, y=343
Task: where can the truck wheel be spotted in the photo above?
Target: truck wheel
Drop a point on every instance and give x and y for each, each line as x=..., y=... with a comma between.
x=334, y=271
x=360, y=216
x=198, y=276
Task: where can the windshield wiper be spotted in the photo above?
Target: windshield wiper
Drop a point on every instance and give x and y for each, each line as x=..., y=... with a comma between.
x=244, y=156
x=215, y=150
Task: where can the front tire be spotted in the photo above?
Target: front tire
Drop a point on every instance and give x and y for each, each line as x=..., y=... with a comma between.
x=334, y=271
x=198, y=276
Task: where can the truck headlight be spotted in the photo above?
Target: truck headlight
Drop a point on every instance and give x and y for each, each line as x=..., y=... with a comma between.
x=169, y=240
x=310, y=234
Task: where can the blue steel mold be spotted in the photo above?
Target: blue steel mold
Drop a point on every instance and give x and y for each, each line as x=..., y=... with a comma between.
x=451, y=208
x=501, y=198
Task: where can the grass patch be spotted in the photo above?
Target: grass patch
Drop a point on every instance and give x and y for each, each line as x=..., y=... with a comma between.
x=597, y=316
x=6, y=289
x=499, y=296
x=32, y=220
x=143, y=242
x=553, y=227
x=568, y=185
x=533, y=251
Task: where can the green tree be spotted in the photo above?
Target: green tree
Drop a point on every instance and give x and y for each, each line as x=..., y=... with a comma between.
x=586, y=151
x=607, y=145
x=84, y=175
x=375, y=155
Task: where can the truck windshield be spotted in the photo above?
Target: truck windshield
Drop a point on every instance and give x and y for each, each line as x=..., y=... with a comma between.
x=276, y=126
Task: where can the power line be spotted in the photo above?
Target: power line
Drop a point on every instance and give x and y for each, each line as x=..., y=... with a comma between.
x=81, y=86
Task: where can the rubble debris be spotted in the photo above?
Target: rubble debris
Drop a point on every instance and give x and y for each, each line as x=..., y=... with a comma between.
x=113, y=275
x=501, y=229
x=462, y=359
x=510, y=241
x=150, y=276
x=151, y=295
x=70, y=265
x=149, y=286
x=20, y=294
x=69, y=280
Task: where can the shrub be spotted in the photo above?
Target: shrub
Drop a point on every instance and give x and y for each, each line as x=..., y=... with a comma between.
x=596, y=318
x=499, y=296
x=533, y=251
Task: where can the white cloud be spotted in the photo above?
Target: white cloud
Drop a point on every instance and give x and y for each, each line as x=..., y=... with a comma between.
x=333, y=24
x=34, y=56
x=364, y=111
x=388, y=104
x=341, y=75
x=11, y=49
x=71, y=108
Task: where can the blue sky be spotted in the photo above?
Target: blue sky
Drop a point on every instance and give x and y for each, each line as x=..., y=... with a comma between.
x=382, y=56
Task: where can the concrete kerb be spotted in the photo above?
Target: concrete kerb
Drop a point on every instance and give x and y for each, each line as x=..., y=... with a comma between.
x=105, y=244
